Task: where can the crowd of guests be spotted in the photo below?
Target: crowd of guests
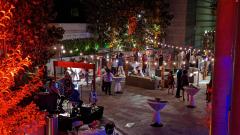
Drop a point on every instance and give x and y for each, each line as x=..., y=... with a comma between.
x=112, y=68
x=182, y=81
x=115, y=65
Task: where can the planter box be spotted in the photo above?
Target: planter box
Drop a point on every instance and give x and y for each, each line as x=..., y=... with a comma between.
x=142, y=82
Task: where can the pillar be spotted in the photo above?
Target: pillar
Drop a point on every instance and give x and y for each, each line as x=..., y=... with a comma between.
x=235, y=108
x=222, y=79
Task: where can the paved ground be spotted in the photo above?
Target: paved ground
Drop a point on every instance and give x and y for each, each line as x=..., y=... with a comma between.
x=132, y=107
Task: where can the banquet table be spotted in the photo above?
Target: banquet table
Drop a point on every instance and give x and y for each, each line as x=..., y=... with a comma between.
x=117, y=87
x=191, y=91
x=157, y=106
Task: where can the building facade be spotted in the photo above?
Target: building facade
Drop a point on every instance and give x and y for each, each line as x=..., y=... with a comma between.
x=193, y=19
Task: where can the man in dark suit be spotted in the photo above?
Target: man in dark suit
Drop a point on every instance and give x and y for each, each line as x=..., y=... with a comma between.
x=179, y=75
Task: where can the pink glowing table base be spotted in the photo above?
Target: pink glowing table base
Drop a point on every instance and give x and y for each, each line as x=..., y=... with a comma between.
x=191, y=91
x=157, y=106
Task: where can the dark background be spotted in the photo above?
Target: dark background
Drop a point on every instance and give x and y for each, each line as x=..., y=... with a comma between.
x=69, y=11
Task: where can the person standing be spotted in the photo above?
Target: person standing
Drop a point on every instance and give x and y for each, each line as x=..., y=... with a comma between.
x=114, y=66
x=108, y=78
x=170, y=82
x=160, y=60
x=104, y=62
x=144, y=63
x=120, y=64
x=209, y=91
x=136, y=56
x=179, y=75
x=184, y=82
x=54, y=94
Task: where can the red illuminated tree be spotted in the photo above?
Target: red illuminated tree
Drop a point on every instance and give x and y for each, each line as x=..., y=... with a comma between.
x=24, y=31
x=29, y=28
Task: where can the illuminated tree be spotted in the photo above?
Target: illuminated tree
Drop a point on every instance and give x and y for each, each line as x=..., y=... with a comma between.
x=29, y=28
x=110, y=19
x=24, y=31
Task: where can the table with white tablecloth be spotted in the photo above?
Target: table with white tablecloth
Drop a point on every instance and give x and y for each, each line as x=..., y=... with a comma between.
x=191, y=91
x=117, y=87
x=157, y=106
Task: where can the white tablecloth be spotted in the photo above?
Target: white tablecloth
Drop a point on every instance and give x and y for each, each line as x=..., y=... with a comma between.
x=157, y=107
x=118, y=80
x=191, y=91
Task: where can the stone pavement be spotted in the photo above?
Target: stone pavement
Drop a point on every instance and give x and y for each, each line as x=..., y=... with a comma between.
x=132, y=107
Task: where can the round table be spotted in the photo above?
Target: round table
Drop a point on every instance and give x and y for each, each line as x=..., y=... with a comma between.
x=157, y=106
x=191, y=91
x=118, y=88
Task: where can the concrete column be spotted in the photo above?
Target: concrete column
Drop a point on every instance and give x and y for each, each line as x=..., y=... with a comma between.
x=222, y=80
x=235, y=108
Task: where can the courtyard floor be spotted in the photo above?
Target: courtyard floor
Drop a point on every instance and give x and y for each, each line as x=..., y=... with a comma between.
x=132, y=107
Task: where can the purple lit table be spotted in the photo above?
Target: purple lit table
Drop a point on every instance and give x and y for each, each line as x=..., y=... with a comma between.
x=191, y=91
x=100, y=131
x=118, y=88
x=157, y=106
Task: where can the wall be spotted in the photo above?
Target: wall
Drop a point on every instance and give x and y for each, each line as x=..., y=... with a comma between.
x=74, y=30
x=191, y=19
x=205, y=20
x=177, y=31
x=190, y=22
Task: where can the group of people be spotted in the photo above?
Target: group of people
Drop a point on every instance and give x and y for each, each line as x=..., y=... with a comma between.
x=182, y=81
x=117, y=64
x=107, y=79
x=62, y=90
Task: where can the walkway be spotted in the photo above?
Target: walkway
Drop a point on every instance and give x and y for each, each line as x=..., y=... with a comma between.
x=131, y=107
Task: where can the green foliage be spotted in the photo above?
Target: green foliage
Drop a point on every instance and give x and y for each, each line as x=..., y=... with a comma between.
x=77, y=46
x=109, y=19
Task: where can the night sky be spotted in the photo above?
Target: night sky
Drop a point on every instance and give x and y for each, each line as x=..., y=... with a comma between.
x=70, y=11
